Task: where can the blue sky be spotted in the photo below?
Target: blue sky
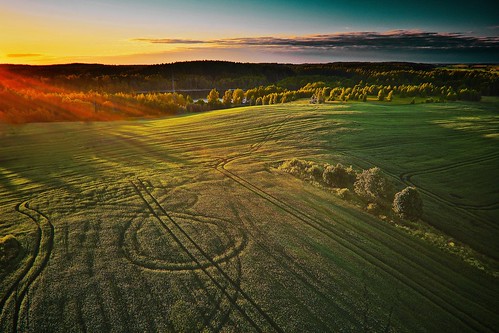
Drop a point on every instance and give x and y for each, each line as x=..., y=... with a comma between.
x=154, y=31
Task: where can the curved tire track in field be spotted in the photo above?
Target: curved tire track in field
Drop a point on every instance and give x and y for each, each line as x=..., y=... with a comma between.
x=307, y=278
x=429, y=193
x=41, y=255
x=219, y=313
x=222, y=162
x=406, y=178
x=233, y=249
x=323, y=228
x=211, y=320
x=172, y=225
x=235, y=244
x=278, y=125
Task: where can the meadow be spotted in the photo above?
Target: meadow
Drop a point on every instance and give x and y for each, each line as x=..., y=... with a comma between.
x=186, y=224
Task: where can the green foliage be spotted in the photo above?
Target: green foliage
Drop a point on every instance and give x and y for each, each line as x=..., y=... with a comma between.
x=213, y=98
x=469, y=95
x=390, y=96
x=372, y=185
x=303, y=169
x=294, y=166
x=238, y=97
x=315, y=172
x=339, y=176
x=408, y=204
x=381, y=95
x=227, y=98
x=9, y=248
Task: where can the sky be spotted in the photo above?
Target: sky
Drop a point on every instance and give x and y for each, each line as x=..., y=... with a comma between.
x=284, y=31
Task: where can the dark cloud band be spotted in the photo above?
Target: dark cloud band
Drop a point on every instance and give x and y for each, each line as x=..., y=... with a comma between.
x=399, y=39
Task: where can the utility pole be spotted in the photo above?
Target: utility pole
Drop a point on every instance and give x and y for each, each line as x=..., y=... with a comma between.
x=173, y=83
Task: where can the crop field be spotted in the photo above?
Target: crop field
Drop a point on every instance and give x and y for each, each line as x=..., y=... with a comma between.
x=186, y=224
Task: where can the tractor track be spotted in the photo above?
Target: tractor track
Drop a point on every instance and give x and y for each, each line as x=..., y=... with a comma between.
x=43, y=249
x=432, y=194
x=323, y=228
x=141, y=189
x=235, y=247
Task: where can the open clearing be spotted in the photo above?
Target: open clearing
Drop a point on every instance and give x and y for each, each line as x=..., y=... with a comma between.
x=184, y=224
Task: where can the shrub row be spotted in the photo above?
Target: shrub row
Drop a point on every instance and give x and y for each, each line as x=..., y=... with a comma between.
x=370, y=185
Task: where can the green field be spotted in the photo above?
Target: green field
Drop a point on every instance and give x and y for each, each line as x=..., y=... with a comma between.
x=185, y=224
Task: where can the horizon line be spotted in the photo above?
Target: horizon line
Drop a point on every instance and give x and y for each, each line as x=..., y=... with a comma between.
x=257, y=63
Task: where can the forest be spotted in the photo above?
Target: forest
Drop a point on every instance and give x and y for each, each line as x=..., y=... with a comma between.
x=103, y=92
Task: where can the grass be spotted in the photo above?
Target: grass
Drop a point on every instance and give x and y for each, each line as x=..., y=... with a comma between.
x=183, y=223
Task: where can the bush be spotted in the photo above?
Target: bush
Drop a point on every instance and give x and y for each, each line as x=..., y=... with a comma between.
x=9, y=248
x=339, y=176
x=302, y=169
x=372, y=185
x=408, y=204
x=294, y=166
x=315, y=172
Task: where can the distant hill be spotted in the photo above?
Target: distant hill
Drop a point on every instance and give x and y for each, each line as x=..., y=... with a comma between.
x=204, y=74
x=271, y=71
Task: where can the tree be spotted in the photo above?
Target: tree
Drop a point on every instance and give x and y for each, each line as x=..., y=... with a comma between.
x=227, y=98
x=339, y=176
x=342, y=95
x=372, y=185
x=274, y=98
x=315, y=172
x=238, y=96
x=213, y=97
x=469, y=95
x=390, y=96
x=408, y=204
x=381, y=95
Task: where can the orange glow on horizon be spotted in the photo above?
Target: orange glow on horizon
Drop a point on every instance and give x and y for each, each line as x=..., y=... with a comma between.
x=25, y=99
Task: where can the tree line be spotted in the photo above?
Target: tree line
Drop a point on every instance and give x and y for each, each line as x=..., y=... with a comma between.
x=225, y=75
x=94, y=92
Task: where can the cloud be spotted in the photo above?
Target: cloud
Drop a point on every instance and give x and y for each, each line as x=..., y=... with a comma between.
x=169, y=41
x=397, y=39
x=23, y=55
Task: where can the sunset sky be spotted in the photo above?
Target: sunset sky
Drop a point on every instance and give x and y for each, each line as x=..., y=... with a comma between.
x=159, y=31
